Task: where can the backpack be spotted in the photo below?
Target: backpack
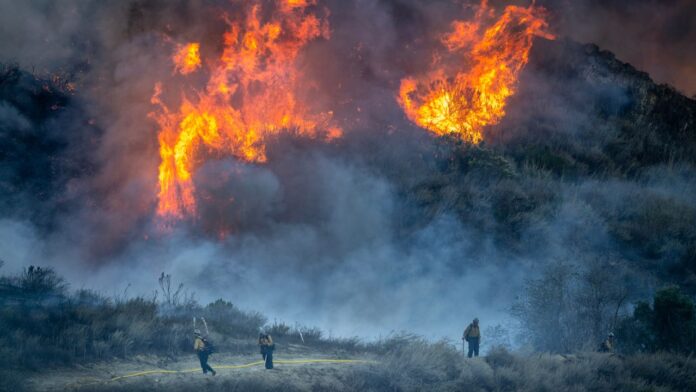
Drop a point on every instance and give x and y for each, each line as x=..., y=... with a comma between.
x=208, y=346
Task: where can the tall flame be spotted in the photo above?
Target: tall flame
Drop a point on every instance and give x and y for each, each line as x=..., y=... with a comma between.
x=461, y=100
x=251, y=94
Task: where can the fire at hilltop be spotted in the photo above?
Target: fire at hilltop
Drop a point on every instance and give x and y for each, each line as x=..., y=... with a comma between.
x=468, y=86
x=251, y=95
x=254, y=89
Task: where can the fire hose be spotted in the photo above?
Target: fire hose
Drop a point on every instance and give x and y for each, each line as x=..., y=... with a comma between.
x=242, y=366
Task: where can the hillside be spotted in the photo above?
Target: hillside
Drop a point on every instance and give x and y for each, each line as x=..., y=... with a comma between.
x=584, y=192
x=592, y=161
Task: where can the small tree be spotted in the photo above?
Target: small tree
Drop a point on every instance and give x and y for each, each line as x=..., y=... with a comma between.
x=571, y=308
x=636, y=332
x=674, y=322
x=42, y=282
x=599, y=298
x=544, y=307
x=169, y=296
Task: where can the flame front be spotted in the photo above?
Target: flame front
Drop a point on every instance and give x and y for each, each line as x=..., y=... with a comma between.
x=463, y=98
x=251, y=95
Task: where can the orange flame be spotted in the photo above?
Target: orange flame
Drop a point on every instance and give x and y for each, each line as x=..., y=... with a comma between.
x=188, y=58
x=462, y=102
x=251, y=95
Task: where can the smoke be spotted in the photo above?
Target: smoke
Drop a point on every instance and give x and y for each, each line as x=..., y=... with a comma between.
x=658, y=37
x=376, y=232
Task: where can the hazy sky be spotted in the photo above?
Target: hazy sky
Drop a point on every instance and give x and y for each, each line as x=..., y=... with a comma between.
x=656, y=36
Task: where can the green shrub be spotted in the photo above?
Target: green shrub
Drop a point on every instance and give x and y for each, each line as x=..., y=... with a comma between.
x=674, y=322
x=669, y=325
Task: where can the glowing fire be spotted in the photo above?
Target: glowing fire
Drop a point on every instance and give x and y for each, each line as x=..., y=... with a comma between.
x=251, y=95
x=463, y=98
x=188, y=58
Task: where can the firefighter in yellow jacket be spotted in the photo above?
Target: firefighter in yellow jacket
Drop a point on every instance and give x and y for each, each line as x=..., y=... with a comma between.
x=472, y=335
x=266, y=346
x=203, y=351
x=607, y=345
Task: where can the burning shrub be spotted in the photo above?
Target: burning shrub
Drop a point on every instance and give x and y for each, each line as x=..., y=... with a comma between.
x=253, y=93
x=461, y=100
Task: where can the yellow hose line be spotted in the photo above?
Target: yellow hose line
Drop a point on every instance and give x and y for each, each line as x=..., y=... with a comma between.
x=246, y=365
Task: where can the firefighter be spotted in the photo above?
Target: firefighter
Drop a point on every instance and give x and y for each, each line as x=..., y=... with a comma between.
x=472, y=335
x=203, y=350
x=266, y=346
x=607, y=346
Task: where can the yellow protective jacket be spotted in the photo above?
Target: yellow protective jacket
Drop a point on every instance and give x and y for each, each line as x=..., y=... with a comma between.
x=607, y=346
x=198, y=344
x=472, y=331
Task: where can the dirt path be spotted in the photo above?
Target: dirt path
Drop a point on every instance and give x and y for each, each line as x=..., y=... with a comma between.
x=155, y=372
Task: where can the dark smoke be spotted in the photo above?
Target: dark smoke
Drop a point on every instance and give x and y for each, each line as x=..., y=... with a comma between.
x=386, y=229
x=658, y=37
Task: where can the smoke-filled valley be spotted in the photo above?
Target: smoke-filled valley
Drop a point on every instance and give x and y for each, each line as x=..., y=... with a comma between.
x=319, y=163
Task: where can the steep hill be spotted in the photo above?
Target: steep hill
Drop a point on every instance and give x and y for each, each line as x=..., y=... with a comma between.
x=592, y=161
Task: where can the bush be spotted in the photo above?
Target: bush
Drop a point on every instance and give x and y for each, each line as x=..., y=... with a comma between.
x=278, y=330
x=674, y=323
x=230, y=320
x=44, y=324
x=47, y=325
x=11, y=381
x=669, y=325
x=570, y=307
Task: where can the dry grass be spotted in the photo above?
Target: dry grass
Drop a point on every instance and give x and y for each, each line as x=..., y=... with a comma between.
x=415, y=365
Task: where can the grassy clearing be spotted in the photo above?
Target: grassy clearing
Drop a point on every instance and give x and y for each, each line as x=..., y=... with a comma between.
x=412, y=364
